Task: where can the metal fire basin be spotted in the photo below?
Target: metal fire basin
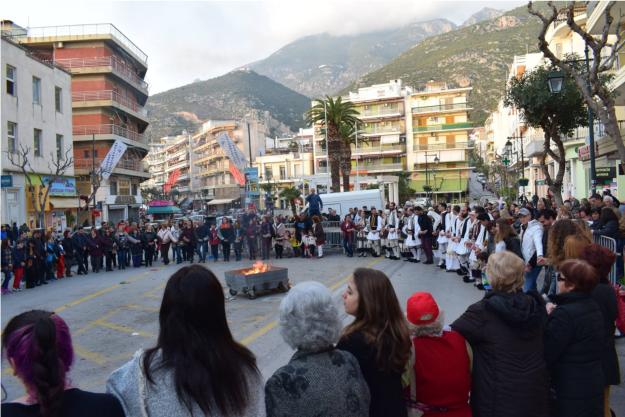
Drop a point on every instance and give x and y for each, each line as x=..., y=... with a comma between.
x=274, y=278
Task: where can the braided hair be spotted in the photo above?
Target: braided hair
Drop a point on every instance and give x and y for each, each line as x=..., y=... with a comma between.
x=38, y=345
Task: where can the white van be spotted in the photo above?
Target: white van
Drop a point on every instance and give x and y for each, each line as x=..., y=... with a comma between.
x=341, y=202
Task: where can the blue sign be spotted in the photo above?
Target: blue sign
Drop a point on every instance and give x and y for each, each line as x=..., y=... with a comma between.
x=61, y=187
x=7, y=181
x=251, y=174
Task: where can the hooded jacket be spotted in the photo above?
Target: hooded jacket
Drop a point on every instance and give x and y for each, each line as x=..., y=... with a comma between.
x=505, y=331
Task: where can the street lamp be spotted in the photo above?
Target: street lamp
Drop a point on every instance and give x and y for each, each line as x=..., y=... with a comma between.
x=556, y=81
x=427, y=187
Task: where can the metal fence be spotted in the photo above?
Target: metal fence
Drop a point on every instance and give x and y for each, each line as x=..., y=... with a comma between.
x=610, y=244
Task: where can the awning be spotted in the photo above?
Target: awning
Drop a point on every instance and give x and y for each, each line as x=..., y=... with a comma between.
x=386, y=139
x=163, y=210
x=220, y=201
x=63, y=203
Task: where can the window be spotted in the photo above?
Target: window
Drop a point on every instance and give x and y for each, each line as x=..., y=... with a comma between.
x=123, y=187
x=59, y=147
x=12, y=137
x=36, y=90
x=85, y=154
x=135, y=189
x=282, y=172
x=113, y=188
x=37, y=142
x=268, y=173
x=11, y=75
x=58, y=99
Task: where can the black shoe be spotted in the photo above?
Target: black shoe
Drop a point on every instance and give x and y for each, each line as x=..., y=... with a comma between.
x=480, y=287
x=408, y=260
x=451, y=270
x=468, y=279
x=45, y=282
x=428, y=263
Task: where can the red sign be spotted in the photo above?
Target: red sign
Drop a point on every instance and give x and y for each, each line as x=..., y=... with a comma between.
x=160, y=203
x=96, y=213
x=171, y=180
x=237, y=174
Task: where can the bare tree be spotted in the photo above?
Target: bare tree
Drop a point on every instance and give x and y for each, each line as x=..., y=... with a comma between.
x=591, y=83
x=57, y=166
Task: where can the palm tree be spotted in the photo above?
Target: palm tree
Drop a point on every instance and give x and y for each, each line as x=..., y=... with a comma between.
x=290, y=194
x=334, y=113
x=347, y=132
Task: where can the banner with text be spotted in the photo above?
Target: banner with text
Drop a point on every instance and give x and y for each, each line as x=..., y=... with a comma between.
x=238, y=176
x=232, y=151
x=112, y=158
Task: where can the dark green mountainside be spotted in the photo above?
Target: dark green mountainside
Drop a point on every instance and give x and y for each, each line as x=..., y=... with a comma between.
x=479, y=55
x=230, y=96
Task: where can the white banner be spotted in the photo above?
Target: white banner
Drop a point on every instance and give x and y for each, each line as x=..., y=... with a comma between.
x=112, y=158
x=232, y=151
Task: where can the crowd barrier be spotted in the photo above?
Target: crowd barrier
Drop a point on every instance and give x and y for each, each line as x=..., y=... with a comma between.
x=610, y=244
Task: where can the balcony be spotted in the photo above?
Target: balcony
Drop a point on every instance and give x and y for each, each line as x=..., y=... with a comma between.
x=441, y=108
x=105, y=64
x=379, y=113
x=322, y=170
x=379, y=149
x=381, y=129
x=84, y=166
x=442, y=127
x=96, y=99
x=84, y=32
x=440, y=146
x=86, y=132
x=380, y=166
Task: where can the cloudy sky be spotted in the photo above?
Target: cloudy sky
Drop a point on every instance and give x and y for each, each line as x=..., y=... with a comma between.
x=189, y=40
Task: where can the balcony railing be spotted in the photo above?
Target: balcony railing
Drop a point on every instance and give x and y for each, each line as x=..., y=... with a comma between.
x=378, y=149
x=448, y=126
x=323, y=170
x=107, y=129
x=382, y=112
x=377, y=167
x=440, y=107
x=118, y=67
x=108, y=95
x=85, y=30
x=88, y=163
x=439, y=146
x=372, y=130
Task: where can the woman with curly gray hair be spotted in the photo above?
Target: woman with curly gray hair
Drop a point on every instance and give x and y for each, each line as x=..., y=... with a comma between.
x=319, y=380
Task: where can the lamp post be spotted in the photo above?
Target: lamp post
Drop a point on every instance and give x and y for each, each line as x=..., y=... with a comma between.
x=555, y=82
x=427, y=187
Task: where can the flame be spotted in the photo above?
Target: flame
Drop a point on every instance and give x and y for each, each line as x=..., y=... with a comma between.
x=257, y=268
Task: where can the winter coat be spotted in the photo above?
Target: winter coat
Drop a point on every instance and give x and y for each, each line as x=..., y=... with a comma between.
x=107, y=243
x=505, y=331
x=574, y=345
x=148, y=239
x=95, y=246
x=327, y=383
x=226, y=234
x=605, y=297
x=188, y=237
x=387, y=398
x=513, y=244
x=532, y=242
x=320, y=235
x=202, y=232
x=213, y=237
x=68, y=247
x=609, y=229
x=140, y=398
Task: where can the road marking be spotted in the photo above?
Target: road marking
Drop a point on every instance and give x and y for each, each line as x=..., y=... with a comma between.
x=271, y=325
x=97, y=293
x=90, y=356
x=123, y=329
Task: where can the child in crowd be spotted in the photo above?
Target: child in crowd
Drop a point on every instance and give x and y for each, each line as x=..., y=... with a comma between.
x=296, y=245
x=309, y=244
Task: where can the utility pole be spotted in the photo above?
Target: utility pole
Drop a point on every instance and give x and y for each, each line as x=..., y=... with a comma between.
x=93, y=177
x=591, y=131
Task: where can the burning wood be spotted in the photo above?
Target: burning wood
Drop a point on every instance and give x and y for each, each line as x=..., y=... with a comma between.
x=257, y=268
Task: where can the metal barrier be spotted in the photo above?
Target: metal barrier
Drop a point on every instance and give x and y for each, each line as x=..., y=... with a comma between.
x=610, y=244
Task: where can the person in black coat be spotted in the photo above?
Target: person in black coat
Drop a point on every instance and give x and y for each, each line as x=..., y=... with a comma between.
x=425, y=224
x=607, y=224
x=574, y=343
x=505, y=331
x=378, y=338
x=602, y=260
x=70, y=253
x=80, y=247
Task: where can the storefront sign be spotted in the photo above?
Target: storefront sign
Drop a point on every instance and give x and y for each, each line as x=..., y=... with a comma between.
x=160, y=203
x=7, y=181
x=605, y=175
x=65, y=187
x=125, y=199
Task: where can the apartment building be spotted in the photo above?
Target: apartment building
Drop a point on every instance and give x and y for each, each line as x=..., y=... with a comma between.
x=108, y=95
x=380, y=147
x=438, y=144
x=169, y=165
x=36, y=116
x=214, y=177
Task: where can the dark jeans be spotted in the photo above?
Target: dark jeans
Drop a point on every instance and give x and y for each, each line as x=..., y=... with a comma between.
x=177, y=253
x=225, y=248
x=426, y=245
x=122, y=258
x=149, y=255
x=279, y=250
x=7, y=277
x=348, y=245
x=190, y=251
x=251, y=246
x=238, y=249
x=266, y=247
x=215, y=251
x=109, y=261
x=165, y=252
x=202, y=250
x=96, y=261
x=81, y=260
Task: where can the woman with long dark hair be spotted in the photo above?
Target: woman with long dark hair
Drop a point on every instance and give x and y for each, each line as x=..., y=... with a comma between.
x=378, y=338
x=38, y=346
x=196, y=367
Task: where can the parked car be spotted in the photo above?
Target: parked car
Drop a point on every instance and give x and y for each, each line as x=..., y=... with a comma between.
x=422, y=202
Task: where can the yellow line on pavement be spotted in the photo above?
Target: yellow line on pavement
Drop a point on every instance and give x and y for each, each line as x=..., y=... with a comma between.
x=271, y=325
x=123, y=329
x=97, y=294
x=91, y=356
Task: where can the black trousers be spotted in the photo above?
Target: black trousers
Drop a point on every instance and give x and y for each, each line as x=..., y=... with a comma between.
x=109, y=261
x=81, y=261
x=149, y=255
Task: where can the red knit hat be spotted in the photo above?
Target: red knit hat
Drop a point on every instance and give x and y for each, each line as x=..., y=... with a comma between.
x=421, y=309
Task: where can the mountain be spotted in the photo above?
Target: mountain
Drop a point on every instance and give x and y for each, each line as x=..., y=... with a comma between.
x=323, y=64
x=478, y=55
x=229, y=96
x=486, y=13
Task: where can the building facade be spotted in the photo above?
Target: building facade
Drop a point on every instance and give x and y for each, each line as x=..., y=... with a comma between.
x=438, y=145
x=36, y=116
x=108, y=95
